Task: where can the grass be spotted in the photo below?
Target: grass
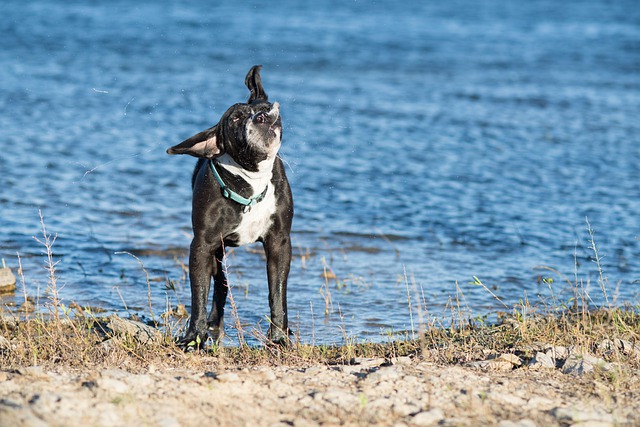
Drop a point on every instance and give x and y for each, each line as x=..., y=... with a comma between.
x=76, y=337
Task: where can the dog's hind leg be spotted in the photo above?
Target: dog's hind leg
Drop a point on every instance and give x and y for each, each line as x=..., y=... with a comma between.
x=215, y=322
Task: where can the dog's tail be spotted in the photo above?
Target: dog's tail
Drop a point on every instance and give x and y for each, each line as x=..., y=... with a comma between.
x=195, y=171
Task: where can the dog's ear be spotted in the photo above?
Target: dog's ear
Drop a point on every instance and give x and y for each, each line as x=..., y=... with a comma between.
x=254, y=83
x=205, y=145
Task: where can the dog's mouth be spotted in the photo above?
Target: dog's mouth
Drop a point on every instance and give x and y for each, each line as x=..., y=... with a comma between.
x=264, y=129
x=268, y=118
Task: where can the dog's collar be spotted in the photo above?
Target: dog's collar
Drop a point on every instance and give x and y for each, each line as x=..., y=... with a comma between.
x=227, y=193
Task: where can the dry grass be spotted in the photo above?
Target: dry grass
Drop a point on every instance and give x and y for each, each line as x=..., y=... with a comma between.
x=76, y=337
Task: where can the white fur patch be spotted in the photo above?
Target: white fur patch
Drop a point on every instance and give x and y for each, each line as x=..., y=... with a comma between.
x=256, y=222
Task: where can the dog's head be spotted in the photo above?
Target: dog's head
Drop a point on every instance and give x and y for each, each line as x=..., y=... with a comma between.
x=250, y=133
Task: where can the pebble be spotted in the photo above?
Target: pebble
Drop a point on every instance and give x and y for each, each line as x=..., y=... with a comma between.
x=626, y=347
x=558, y=352
x=504, y=362
x=385, y=373
x=542, y=361
x=7, y=280
x=428, y=418
x=228, y=377
x=579, y=364
x=137, y=330
x=4, y=344
x=367, y=362
x=32, y=371
x=113, y=385
x=573, y=415
x=522, y=423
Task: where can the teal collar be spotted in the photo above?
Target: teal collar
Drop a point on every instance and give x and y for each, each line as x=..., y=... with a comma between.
x=230, y=194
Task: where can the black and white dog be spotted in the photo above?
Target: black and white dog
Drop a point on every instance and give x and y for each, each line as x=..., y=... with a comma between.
x=240, y=195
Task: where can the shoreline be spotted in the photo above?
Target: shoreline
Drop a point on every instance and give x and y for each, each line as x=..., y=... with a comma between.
x=122, y=372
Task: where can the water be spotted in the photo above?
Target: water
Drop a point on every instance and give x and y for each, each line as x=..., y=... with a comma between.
x=426, y=143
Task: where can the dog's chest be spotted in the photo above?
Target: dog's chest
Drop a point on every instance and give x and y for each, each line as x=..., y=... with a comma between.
x=255, y=223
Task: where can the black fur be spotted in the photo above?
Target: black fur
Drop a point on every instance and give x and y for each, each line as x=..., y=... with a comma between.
x=216, y=219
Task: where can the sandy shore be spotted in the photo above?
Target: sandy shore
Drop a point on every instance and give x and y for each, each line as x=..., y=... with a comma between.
x=403, y=391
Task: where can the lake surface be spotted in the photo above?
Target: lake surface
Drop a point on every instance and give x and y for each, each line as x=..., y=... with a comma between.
x=426, y=143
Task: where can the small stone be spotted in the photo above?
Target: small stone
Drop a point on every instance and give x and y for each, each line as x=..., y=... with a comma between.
x=384, y=373
x=579, y=364
x=137, y=330
x=625, y=347
x=403, y=360
x=32, y=371
x=113, y=385
x=522, y=423
x=404, y=409
x=558, y=352
x=582, y=416
x=428, y=418
x=7, y=281
x=228, y=377
x=26, y=307
x=4, y=344
x=509, y=399
x=504, y=362
x=542, y=361
x=368, y=362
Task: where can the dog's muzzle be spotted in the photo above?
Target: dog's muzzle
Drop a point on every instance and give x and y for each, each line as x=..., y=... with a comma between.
x=270, y=117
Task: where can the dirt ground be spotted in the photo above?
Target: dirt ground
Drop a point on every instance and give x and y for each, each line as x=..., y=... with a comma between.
x=403, y=391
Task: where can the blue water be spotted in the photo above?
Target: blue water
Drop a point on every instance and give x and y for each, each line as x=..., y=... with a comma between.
x=426, y=143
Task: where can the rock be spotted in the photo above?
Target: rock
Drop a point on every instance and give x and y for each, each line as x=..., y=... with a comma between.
x=368, y=362
x=625, y=347
x=32, y=371
x=339, y=398
x=508, y=398
x=521, y=423
x=17, y=415
x=7, y=280
x=385, y=373
x=504, y=362
x=579, y=364
x=139, y=331
x=542, y=361
x=404, y=409
x=428, y=418
x=228, y=377
x=558, y=352
x=583, y=417
x=27, y=307
x=5, y=345
x=113, y=385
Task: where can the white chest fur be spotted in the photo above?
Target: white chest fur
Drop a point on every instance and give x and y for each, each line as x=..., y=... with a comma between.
x=256, y=221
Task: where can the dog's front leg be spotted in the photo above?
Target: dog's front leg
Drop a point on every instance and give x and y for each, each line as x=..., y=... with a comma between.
x=200, y=272
x=278, y=251
x=220, y=288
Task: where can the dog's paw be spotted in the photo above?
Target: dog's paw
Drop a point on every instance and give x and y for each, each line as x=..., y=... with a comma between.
x=191, y=342
x=216, y=333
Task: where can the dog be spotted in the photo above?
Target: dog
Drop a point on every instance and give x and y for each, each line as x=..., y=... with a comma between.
x=241, y=195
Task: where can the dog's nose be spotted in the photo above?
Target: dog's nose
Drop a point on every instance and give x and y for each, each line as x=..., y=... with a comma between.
x=261, y=117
